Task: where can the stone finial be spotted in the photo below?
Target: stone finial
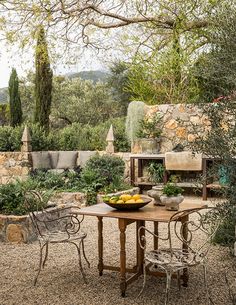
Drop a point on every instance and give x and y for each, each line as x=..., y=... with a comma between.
x=26, y=140
x=110, y=139
x=110, y=135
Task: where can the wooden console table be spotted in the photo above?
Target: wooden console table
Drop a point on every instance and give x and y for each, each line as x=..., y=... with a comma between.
x=137, y=172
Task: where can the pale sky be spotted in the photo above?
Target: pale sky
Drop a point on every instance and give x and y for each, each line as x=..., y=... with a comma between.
x=24, y=62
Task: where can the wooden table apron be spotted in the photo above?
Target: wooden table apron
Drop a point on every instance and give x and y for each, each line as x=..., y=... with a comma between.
x=125, y=218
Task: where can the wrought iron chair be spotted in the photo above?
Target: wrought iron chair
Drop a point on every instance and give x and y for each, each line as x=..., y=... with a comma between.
x=174, y=260
x=54, y=226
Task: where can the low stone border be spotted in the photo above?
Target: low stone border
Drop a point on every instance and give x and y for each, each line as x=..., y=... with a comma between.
x=16, y=229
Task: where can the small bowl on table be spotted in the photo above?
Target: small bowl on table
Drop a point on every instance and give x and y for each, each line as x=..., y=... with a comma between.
x=130, y=206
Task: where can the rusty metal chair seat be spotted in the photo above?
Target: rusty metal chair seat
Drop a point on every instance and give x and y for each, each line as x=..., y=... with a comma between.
x=61, y=237
x=175, y=259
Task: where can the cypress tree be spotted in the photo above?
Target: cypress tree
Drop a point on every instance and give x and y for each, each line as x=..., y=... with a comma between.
x=43, y=82
x=14, y=100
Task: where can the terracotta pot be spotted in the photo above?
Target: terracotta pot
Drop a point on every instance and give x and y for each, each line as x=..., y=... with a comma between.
x=172, y=203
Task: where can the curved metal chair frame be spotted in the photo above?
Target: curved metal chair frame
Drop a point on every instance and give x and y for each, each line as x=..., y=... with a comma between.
x=55, y=226
x=173, y=260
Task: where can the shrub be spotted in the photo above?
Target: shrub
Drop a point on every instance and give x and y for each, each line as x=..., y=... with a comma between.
x=10, y=138
x=107, y=168
x=73, y=137
x=103, y=174
x=66, y=181
x=12, y=198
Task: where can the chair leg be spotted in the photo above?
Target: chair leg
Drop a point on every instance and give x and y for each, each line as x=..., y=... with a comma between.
x=85, y=257
x=40, y=261
x=144, y=279
x=80, y=263
x=168, y=282
x=178, y=279
x=46, y=256
x=206, y=285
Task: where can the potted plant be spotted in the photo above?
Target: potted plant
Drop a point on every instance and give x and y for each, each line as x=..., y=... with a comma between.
x=149, y=133
x=172, y=196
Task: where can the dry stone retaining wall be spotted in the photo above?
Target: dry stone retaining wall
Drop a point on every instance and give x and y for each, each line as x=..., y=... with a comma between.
x=13, y=165
x=181, y=124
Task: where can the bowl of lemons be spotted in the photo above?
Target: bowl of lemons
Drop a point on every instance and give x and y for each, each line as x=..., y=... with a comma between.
x=127, y=201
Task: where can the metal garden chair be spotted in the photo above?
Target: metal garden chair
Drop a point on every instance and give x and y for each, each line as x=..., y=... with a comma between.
x=53, y=226
x=192, y=252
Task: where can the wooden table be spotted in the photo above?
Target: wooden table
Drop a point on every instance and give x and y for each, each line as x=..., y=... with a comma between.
x=148, y=213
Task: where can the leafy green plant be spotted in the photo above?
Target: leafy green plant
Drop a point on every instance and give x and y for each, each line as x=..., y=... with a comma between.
x=104, y=169
x=150, y=127
x=156, y=172
x=12, y=198
x=66, y=181
x=102, y=174
x=171, y=189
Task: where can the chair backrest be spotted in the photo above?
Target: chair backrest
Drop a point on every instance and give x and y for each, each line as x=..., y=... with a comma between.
x=195, y=228
x=52, y=219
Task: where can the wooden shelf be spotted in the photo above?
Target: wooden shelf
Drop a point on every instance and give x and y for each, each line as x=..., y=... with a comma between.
x=189, y=184
x=214, y=186
x=147, y=183
x=180, y=184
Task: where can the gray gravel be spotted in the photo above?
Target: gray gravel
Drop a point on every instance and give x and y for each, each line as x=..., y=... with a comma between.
x=61, y=283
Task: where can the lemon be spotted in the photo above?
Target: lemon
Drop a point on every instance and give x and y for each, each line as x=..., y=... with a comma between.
x=136, y=197
x=128, y=197
x=139, y=201
x=120, y=201
x=112, y=201
x=123, y=197
x=130, y=201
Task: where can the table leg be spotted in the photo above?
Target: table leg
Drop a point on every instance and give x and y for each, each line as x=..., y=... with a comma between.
x=204, y=187
x=100, y=246
x=132, y=171
x=123, y=284
x=155, y=239
x=139, y=250
x=184, y=221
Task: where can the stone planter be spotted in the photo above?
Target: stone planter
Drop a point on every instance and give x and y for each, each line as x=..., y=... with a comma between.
x=149, y=146
x=172, y=203
x=156, y=193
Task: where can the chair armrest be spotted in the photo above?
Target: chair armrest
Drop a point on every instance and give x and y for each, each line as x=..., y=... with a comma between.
x=142, y=237
x=53, y=221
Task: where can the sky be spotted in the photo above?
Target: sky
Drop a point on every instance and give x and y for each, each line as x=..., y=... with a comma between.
x=23, y=62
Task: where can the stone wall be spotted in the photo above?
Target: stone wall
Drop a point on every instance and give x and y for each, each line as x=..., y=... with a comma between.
x=16, y=229
x=13, y=165
x=181, y=123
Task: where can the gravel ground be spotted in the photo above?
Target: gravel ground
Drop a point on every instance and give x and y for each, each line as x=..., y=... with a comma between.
x=61, y=282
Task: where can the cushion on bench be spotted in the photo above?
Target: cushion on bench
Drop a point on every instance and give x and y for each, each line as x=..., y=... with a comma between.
x=54, y=155
x=41, y=160
x=67, y=159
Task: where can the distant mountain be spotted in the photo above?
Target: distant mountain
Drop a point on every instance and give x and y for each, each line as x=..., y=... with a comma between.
x=95, y=76
x=3, y=95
